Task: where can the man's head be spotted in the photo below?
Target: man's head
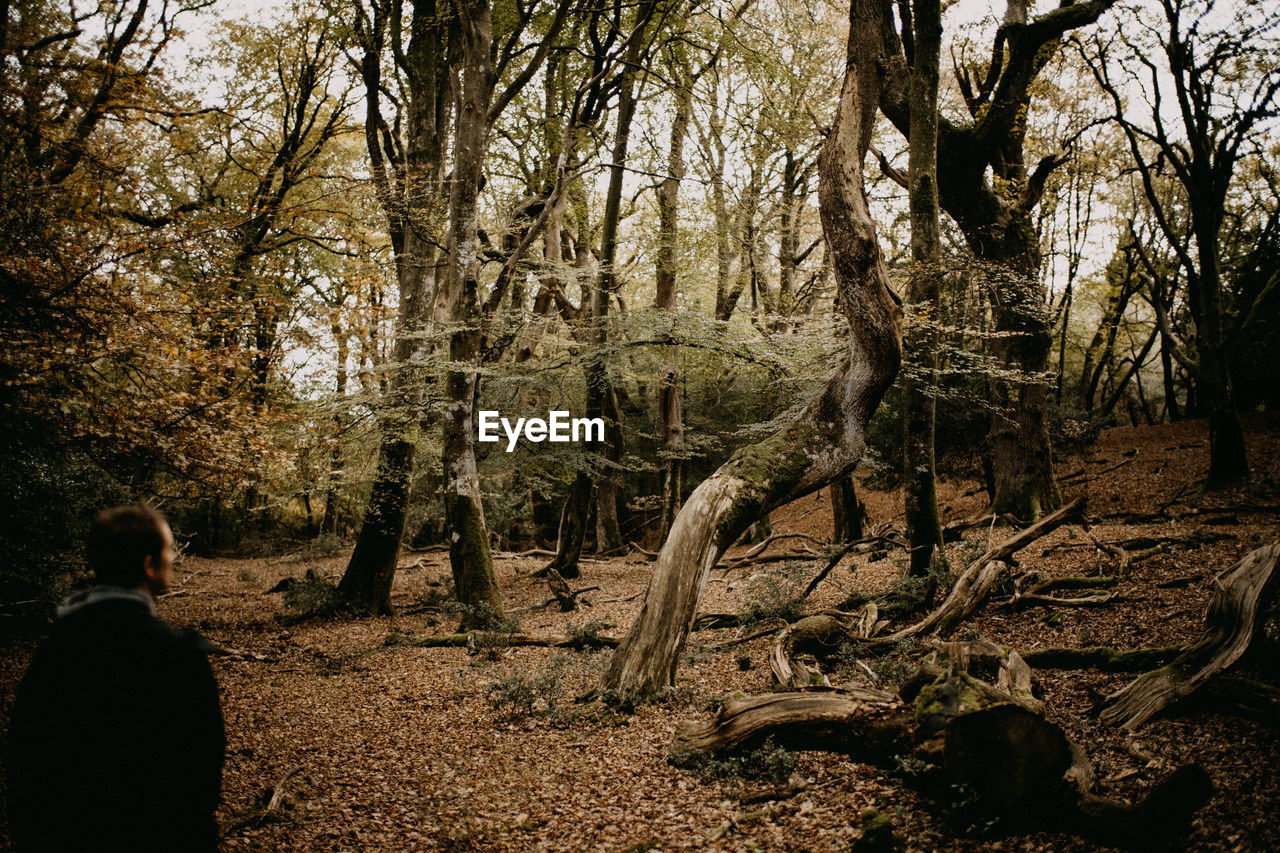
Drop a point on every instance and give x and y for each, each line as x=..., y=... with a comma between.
x=131, y=546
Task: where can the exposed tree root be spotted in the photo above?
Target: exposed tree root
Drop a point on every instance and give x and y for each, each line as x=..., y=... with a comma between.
x=823, y=633
x=1233, y=614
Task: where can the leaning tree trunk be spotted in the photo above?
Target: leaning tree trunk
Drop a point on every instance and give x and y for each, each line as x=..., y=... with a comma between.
x=826, y=439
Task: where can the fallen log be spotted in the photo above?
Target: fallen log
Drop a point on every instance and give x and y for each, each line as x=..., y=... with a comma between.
x=478, y=639
x=970, y=736
x=1232, y=617
x=1102, y=658
x=1034, y=599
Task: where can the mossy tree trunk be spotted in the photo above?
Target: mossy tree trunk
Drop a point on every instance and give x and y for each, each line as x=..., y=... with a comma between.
x=988, y=190
x=469, y=555
x=408, y=199
x=826, y=439
x=919, y=404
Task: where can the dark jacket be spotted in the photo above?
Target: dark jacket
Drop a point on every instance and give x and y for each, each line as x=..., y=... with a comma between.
x=117, y=740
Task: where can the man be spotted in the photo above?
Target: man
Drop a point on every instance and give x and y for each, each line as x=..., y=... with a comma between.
x=117, y=740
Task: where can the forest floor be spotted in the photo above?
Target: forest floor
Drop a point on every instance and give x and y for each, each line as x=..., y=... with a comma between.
x=382, y=745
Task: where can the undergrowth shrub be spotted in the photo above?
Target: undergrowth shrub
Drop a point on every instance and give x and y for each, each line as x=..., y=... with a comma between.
x=766, y=761
x=775, y=593
x=587, y=635
x=312, y=597
x=521, y=694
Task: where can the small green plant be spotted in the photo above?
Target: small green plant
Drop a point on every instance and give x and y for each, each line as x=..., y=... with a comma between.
x=767, y=761
x=313, y=597
x=682, y=696
x=521, y=694
x=324, y=545
x=246, y=576
x=489, y=633
x=696, y=652
x=876, y=834
x=481, y=616
x=776, y=593
x=587, y=635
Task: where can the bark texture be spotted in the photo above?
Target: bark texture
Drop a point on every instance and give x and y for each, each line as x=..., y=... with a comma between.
x=826, y=439
x=1232, y=621
x=919, y=406
x=409, y=200
x=469, y=555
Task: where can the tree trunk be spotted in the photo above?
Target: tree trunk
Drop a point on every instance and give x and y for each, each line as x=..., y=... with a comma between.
x=986, y=188
x=608, y=532
x=827, y=437
x=1021, y=457
x=670, y=416
x=469, y=554
x=848, y=515
x=601, y=399
x=573, y=528
x=329, y=523
x=366, y=584
x=409, y=211
x=919, y=405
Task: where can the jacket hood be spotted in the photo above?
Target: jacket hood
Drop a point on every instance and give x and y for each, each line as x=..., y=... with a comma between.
x=88, y=598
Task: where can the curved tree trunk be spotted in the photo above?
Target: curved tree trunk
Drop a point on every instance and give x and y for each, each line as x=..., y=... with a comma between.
x=826, y=439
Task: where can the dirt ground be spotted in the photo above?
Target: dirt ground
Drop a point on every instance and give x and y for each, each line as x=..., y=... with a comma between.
x=387, y=746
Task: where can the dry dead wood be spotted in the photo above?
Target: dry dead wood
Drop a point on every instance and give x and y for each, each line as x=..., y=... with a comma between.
x=1022, y=768
x=975, y=583
x=839, y=721
x=1033, y=599
x=273, y=801
x=479, y=639
x=1231, y=619
x=822, y=633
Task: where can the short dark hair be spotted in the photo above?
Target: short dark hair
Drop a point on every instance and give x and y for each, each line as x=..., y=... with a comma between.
x=120, y=539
